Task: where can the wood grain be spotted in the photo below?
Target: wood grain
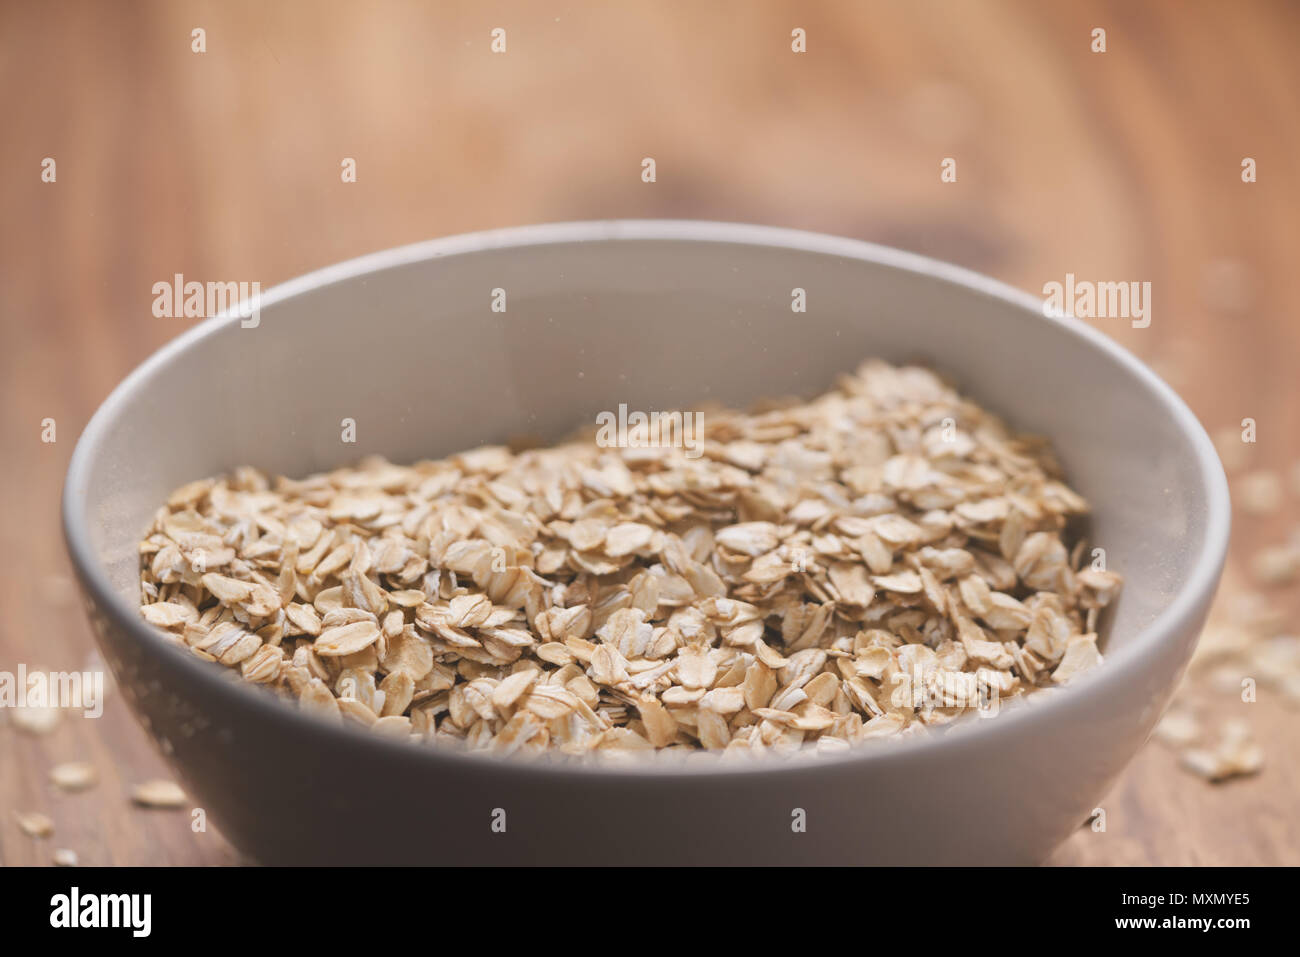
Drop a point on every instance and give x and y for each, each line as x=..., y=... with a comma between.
x=225, y=165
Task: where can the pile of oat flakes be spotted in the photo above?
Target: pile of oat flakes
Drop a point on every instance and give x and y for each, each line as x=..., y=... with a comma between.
x=861, y=565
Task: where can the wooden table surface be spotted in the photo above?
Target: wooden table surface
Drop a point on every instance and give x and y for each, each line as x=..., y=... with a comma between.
x=1122, y=165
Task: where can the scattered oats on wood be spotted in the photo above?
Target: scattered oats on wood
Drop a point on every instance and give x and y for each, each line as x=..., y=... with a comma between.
x=34, y=823
x=1253, y=610
x=36, y=719
x=1276, y=659
x=74, y=775
x=863, y=565
x=1221, y=642
x=1235, y=754
x=1178, y=728
x=1227, y=679
x=63, y=857
x=158, y=793
x=1276, y=564
x=1260, y=493
x=1243, y=640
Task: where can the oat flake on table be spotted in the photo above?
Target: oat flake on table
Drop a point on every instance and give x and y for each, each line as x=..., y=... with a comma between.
x=34, y=823
x=74, y=775
x=158, y=793
x=862, y=565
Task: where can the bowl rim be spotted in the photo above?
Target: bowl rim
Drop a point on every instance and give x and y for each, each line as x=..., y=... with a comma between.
x=1177, y=614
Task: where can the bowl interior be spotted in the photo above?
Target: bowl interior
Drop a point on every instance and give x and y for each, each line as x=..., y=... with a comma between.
x=408, y=346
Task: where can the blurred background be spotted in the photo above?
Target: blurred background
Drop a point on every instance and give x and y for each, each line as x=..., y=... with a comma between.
x=226, y=165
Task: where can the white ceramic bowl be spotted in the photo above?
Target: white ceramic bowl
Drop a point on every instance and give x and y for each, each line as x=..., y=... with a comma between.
x=656, y=315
